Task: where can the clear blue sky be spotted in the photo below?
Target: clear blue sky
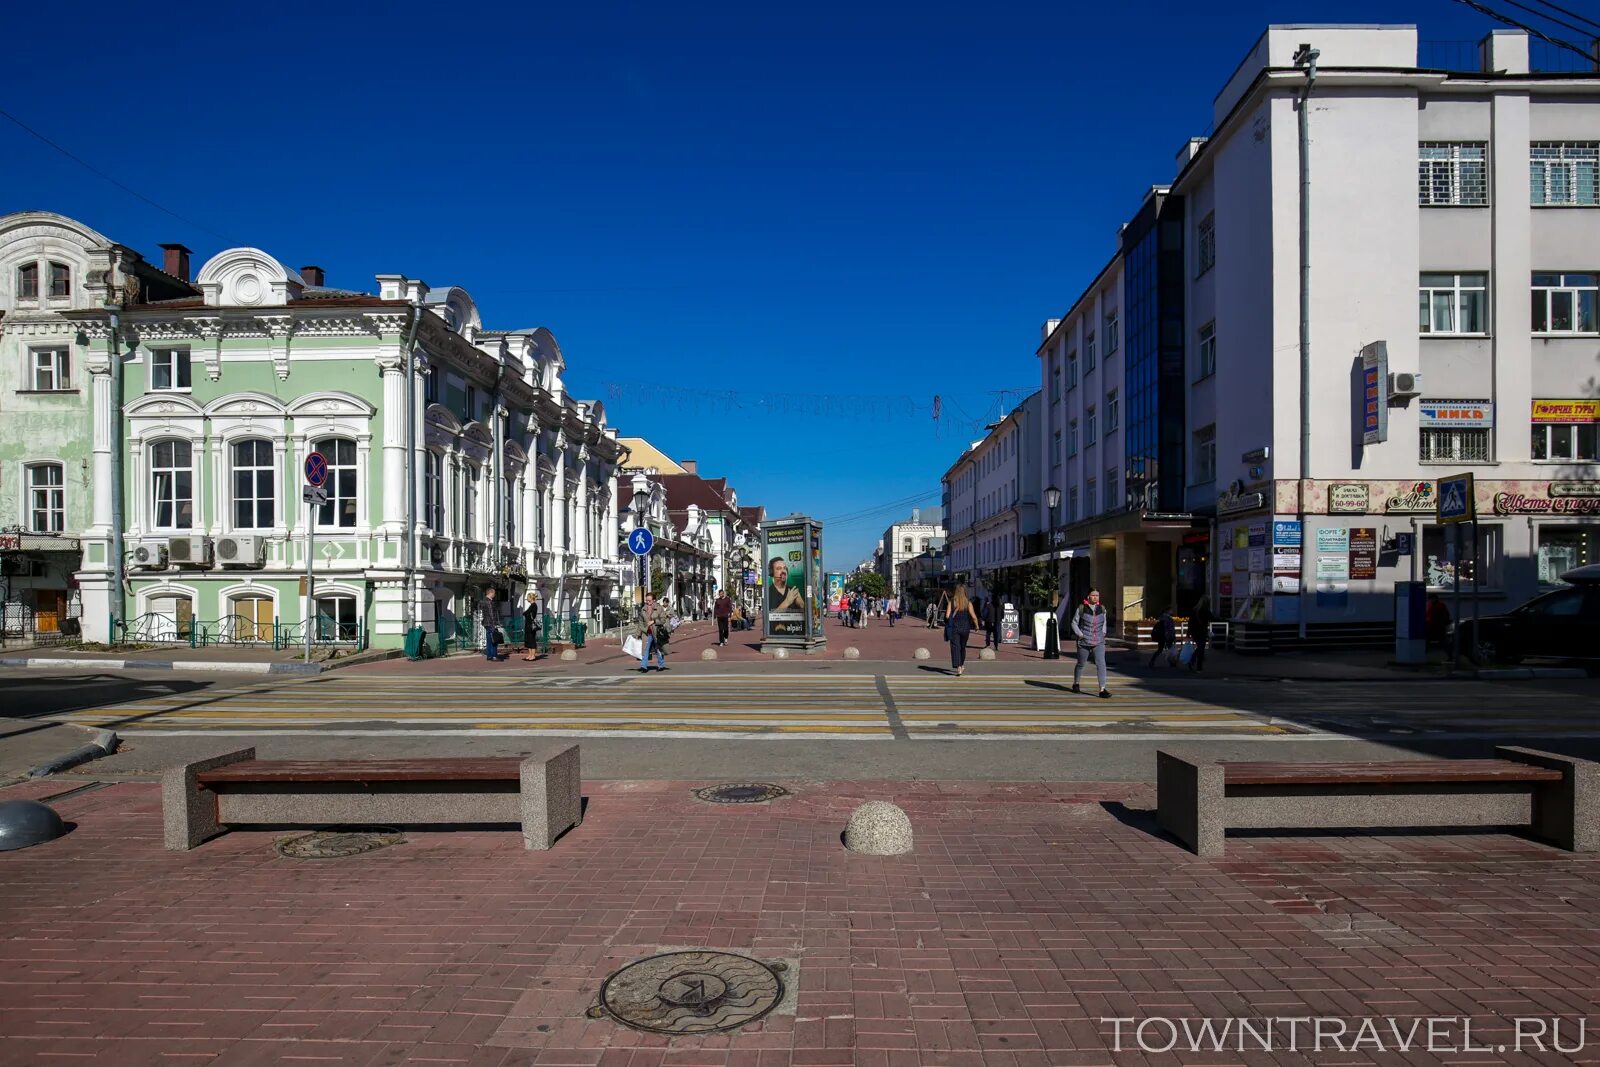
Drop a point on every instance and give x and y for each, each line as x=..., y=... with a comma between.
x=842, y=200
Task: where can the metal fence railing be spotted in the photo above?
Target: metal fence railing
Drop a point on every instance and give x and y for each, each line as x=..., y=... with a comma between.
x=241, y=630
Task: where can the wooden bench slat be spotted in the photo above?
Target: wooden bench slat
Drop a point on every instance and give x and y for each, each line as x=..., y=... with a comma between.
x=485, y=769
x=1400, y=772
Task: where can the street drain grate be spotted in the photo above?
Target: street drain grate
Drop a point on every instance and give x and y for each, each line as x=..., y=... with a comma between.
x=691, y=993
x=741, y=793
x=336, y=844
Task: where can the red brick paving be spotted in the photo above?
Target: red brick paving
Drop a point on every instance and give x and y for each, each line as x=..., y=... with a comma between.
x=1025, y=915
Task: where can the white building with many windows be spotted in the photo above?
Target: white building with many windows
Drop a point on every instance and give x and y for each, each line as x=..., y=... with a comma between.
x=903, y=540
x=1454, y=227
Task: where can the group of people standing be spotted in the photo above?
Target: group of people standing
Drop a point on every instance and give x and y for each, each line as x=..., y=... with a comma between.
x=854, y=611
x=493, y=637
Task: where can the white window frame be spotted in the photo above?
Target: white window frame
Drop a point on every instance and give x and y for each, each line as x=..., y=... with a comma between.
x=1573, y=434
x=1056, y=453
x=1111, y=412
x=433, y=491
x=33, y=278
x=1056, y=390
x=176, y=360
x=1578, y=162
x=1206, y=244
x=1072, y=371
x=1113, y=476
x=1109, y=332
x=1089, y=435
x=331, y=515
x=1208, y=351
x=1072, y=438
x=1455, y=445
x=1434, y=567
x=1544, y=296
x=171, y=473
x=1072, y=504
x=338, y=596
x=50, y=369
x=1205, y=455
x=48, y=498
x=1088, y=352
x=255, y=469
x=55, y=269
x=471, y=479
x=1455, y=289
x=1091, y=498
x=1454, y=162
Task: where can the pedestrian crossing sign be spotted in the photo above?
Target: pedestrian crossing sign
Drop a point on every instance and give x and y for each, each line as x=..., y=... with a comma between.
x=1455, y=499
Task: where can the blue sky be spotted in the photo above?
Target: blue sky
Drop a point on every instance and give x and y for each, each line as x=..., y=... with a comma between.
x=870, y=203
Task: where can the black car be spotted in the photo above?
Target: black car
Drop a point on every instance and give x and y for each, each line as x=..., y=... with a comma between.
x=1563, y=623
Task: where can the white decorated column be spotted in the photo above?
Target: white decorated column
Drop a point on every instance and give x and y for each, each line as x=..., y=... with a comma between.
x=394, y=446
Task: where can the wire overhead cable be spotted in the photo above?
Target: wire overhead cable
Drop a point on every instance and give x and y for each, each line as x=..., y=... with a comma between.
x=1484, y=9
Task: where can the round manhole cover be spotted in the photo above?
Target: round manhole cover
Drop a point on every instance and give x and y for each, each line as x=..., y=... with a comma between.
x=691, y=992
x=336, y=844
x=741, y=793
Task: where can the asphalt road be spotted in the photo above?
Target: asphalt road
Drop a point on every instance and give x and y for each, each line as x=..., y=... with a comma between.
x=799, y=724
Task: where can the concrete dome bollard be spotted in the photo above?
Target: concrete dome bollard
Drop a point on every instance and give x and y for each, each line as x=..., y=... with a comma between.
x=780, y=653
x=987, y=653
x=920, y=653
x=852, y=653
x=27, y=822
x=878, y=828
x=569, y=655
x=708, y=653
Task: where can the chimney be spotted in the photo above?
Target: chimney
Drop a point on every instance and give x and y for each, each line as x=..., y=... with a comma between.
x=690, y=466
x=312, y=275
x=176, y=261
x=916, y=515
x=1504, y=52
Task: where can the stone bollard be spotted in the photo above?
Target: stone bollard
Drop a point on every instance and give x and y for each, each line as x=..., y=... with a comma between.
x=920, y=653
x=708, y=653
x=878, y=828
x=569, y=655
x=986, y=653
x=852, y=653
x=780, y=653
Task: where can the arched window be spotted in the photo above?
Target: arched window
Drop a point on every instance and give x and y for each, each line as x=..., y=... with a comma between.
x=341, y=509
x=28, y=281
x=60, y=280
x=433, y=493
x=469, y=502
x=252, y=618
x=47, y=498
x=172, y=485
x=254, y=485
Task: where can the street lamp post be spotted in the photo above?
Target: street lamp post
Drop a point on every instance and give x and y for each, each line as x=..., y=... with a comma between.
x=1052, y=636
x=638, y=507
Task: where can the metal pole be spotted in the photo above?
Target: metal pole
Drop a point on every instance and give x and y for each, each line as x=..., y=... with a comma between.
x=311, y=544
x=1455, y=582
x=1476, y=562
x=1308, y=56
x=116, y=600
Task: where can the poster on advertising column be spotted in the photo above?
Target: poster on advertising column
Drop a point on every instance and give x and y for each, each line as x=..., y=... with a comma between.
x=785, y=600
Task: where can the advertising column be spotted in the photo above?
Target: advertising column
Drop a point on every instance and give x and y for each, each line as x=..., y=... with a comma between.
x=794, y=596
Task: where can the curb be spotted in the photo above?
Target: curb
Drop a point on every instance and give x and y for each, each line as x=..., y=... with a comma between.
x=104, y=744
x=1523, y=673
x=220, y=666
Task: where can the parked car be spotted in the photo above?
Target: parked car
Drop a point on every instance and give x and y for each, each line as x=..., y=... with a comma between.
x=1563, y=623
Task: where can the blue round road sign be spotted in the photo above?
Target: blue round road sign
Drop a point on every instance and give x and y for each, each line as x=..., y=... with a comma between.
x=316, y=468
x=640, y=541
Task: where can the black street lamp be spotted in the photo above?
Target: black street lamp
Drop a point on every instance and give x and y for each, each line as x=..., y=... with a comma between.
x=1052, y=640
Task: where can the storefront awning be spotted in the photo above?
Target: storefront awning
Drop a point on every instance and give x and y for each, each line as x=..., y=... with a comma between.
x=30, y=542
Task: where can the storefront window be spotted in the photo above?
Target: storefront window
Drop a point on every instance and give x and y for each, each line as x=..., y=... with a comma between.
x=1444, y=568
x=1561, y=548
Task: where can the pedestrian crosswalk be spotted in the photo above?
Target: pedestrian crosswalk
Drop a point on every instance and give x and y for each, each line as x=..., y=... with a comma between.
x=845, y=706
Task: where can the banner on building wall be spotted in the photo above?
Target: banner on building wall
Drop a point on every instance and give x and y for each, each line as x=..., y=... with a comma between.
x=1456, y=414
x=1351, y=497
x=1566, y=411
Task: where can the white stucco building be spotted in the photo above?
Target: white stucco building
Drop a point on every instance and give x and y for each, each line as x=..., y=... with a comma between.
x=902, y=541
x=994, y=500
x=1455, y=221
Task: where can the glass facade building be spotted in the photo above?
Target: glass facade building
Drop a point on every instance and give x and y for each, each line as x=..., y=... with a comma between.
x=1152, y=251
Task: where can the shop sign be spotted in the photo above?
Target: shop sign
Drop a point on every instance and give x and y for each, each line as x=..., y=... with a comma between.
x=1375, y=393
x=1334, y=540
x=1258, y=534
x=1418, y=497
x=1457, y=414
x=1363, y=553
x=1286, y=562
x=1256, y=455
x=1518, y=504
x=1286, y=532
x=1348, y=498
x=1233, y=503
x=10, y=542
x=1333, y=568
x=1575, y=488
x=1566, y=411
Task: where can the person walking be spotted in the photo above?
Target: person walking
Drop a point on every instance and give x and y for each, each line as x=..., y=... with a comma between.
x=962, y=617
x=723, y=610
x=1165, y=634
x=1089, y=627
x=648, y=626
x=531, y=619
x=1200, y=633
x=489, y=615
x=894, y=609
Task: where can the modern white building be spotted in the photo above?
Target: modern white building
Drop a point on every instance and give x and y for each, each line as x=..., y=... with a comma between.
x=1453, y=226
x=904, y=540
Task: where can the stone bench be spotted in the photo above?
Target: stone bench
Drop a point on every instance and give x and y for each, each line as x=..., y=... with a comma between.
x=1555, y=797
x=541, y=791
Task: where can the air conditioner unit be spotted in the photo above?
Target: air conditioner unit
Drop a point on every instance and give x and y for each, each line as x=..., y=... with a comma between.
x=191, y=551
x=151, y=555
x=1403, y=384
x=240, y=550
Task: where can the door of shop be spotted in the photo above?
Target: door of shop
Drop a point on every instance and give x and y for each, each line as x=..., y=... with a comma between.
x=49, y=608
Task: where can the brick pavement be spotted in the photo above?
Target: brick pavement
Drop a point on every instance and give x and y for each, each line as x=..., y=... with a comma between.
x=1025, y=915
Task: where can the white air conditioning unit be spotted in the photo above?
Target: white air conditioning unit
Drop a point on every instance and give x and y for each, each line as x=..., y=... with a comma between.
x=190, y=551
x=150, y=555
x=1404, y=384
x=240, y=550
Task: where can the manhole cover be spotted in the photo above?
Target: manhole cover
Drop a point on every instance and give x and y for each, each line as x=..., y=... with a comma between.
x=691, y=992
x=741, y=793
x=336, y=844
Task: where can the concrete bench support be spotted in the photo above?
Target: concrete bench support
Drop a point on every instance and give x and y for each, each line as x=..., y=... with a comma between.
x=541, y=792
x=1556, y=798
